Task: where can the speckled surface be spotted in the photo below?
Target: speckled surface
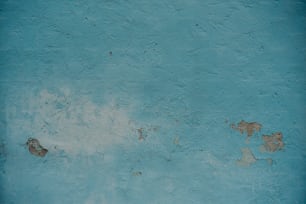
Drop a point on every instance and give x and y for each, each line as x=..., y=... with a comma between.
x=135, y=100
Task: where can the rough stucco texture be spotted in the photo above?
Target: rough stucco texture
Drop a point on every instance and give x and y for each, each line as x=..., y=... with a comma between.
x=139, y=101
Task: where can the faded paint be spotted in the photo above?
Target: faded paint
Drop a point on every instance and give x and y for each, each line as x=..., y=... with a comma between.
x=130, y=99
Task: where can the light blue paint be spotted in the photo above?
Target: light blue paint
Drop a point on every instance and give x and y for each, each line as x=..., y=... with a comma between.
x=179, y=70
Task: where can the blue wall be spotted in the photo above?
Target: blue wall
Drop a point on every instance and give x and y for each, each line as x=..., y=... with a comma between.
x=134, y=100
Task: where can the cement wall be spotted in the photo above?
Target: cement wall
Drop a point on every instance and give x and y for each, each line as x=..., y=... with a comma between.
x=140, y=101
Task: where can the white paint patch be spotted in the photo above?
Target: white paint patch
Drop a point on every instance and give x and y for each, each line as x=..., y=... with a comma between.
x=94, y=198
x=62, y=121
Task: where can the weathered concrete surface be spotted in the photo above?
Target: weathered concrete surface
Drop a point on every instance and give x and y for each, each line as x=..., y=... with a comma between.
x=134, y=100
